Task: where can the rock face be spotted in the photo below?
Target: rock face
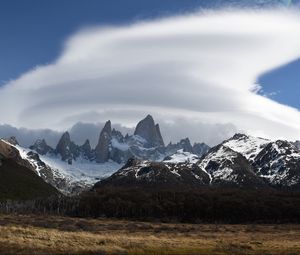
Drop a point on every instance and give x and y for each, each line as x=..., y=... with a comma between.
x=41, y=147
x=229, y=168
x=297, y=144
x=86, y=151
x=183, y=144
x=200, y=149
x=148, y=130
x=279, y=164
x=102, y=150
x=68, y=150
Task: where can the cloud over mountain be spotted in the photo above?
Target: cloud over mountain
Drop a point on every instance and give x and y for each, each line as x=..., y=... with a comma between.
x=200, y=68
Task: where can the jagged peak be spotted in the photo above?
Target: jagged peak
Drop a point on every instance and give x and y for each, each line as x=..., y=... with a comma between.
x=66, y=136
x=12, y=140
x=149, y=117
x=107, y=127
x=185, y=140
x=239, y=136
x=148, y=130
x=87, y=142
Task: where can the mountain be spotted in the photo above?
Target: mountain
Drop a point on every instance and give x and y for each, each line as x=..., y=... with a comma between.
x=67, y=149
x=279, y=164
x=220, y=167
x=102, y=150
x=248, y=146
x=161, y=175
x=146, y=143
x=242, y=161
x=18, y=179
x=71, y=167
x=41, y=147
x=227, y=167
x=150, y=132
x=185, y=145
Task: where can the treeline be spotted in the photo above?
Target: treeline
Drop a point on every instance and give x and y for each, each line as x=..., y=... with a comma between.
x=194, y=206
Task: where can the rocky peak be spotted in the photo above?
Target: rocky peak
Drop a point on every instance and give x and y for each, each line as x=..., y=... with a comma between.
x=86, y=145
x=279, y=163
x=186, y=145
x=86, y=150
x=200, y=148
x=148, y=130
x=67, y=149
x=12, y=140
x=102, y=149
x=183, y=144
x=239, y=136
x=297, y=144
x=117, y=135
x=41, y=147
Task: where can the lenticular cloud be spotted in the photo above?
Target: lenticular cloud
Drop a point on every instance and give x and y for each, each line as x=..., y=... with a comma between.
x=201, y=67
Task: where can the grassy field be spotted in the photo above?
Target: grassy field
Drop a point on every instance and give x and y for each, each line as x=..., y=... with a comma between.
x=21, y=234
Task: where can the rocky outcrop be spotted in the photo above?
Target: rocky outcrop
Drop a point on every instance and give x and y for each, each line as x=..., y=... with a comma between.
x=148, y=130
x=200, y=148
x=102, y=150
x=86, y=151
x=67, y=149
x=41, y=147
x=297, y=144
x=183, y=144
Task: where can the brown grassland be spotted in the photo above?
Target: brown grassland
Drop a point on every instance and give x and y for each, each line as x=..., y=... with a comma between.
x=21, y=234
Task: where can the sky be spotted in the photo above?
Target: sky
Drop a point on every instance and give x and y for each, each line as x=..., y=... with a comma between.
x=185, y=62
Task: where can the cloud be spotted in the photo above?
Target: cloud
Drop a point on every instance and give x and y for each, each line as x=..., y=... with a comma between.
x=201, y=68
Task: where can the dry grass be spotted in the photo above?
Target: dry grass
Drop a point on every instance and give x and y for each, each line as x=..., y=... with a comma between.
x=58, y=235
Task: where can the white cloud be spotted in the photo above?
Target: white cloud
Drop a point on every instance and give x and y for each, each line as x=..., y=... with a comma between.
x=201, y=68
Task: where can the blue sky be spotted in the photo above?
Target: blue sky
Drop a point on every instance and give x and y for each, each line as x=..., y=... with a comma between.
x=51, y=42
x=33, y=31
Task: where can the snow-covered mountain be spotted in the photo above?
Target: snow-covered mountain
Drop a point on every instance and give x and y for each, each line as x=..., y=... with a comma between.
x=248, y=146
x=227, y=167
x=279, y=164
x=71, y=167
x=147, y=174
x=241, y=161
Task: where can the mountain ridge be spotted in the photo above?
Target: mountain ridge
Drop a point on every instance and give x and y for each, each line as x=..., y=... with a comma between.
x=240, y=161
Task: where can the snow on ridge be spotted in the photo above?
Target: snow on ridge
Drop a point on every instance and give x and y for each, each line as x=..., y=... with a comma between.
x=181, y=157
x=80, y=171
x=248, y=146
x=218, y=156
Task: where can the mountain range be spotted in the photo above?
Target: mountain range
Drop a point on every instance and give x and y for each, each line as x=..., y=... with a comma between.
x=143, y=160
